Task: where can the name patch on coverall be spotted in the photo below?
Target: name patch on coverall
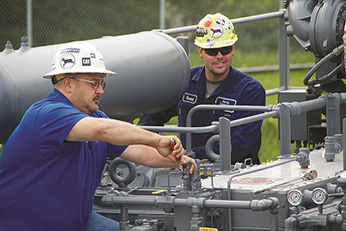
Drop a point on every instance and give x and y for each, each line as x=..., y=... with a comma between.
x=189, y=98
x=225, y=101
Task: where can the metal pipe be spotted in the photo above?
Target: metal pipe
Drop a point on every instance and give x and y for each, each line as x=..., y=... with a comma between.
x=162, y=14
x=112, y=199
x=274, y=220
x=285, y=130
x=320, y=220
x=342, y=97
x=253, y=118
x=291, y=109
x=213, y=156
x=172, y=201
x=219, y=107
x=124, y=220
x=284, y=62
x=274, y=91
x=166, y=55
x=225, y=145
x=29, y=21
x=184, y=29
x=305, y=106
x=332, y=114
x=210, y=128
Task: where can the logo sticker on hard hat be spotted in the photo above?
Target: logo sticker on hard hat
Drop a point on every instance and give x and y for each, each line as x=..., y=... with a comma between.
x=210, y=43
x=200, y=32
x=67, y=61
x=216, y=31
x=70, y=50
x=86, y=62
x=222, y=22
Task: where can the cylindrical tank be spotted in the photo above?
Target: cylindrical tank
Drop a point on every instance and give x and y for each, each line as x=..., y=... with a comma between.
x=152, y=69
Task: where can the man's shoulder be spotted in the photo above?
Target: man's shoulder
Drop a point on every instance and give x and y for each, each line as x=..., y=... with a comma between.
x=46, y=110
x=195, y=71
x=48, y=105
x=245, y=79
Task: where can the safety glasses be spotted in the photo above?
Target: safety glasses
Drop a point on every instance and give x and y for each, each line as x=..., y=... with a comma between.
x=95, y=84
x=215, y=51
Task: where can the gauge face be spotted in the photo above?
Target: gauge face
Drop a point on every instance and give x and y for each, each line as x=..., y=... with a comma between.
x=319, y=196
x=294, y=197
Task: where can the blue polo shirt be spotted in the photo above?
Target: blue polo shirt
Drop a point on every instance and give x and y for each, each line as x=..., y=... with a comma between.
x=237, y=89
x=47, y=183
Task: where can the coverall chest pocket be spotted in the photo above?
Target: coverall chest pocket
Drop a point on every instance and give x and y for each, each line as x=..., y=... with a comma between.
x=229, y=114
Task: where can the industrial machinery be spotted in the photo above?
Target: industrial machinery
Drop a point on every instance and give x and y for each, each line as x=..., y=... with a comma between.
x=305, y=190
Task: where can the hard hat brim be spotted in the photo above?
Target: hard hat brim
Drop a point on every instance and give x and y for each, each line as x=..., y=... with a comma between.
x=105, y=72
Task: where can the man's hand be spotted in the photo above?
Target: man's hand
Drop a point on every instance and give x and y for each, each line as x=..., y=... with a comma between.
x=165, y=147
x=186, y=159
x=171, y=147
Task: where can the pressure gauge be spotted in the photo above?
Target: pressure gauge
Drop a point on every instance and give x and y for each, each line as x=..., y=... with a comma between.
x=319, y=196
x=295, y=197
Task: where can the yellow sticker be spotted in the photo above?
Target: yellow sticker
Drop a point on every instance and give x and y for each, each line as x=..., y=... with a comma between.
x=158, y=192
x=207, y=229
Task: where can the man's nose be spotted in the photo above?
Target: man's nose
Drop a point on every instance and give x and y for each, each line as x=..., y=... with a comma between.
x=100, y=90
x=219, y=55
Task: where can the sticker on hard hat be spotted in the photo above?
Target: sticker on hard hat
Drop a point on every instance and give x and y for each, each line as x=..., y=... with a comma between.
x=207, y=24
x=86, y=62
x=216, y=31
x=220, y=21
x=70, y=50
x=210, y=43
x=200, y=32
x=67, y=61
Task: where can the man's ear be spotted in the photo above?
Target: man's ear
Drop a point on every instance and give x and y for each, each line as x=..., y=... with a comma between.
x=68, y=85
x=200, y=50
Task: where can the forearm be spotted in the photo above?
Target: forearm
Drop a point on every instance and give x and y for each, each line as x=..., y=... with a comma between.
x=122, y=133
x=111, y=131
x=145, y=155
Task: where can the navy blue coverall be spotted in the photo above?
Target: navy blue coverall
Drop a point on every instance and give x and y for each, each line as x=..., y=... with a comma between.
x=237, y=89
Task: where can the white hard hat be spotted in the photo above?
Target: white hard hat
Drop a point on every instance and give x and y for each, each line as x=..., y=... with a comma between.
x=78, y=57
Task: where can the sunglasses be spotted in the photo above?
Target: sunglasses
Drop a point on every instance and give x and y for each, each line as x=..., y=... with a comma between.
x=223, y=50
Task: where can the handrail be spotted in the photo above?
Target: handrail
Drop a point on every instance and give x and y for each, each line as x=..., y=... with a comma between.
x=210, y=128
x=184, y=29
x=219, y=107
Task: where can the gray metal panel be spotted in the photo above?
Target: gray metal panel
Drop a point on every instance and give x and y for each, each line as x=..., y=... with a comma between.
x=300, y=123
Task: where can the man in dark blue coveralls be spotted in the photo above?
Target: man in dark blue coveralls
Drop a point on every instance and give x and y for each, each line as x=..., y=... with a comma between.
x=217, y=82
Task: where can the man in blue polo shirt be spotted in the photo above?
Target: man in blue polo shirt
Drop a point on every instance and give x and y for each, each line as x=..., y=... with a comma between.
x=217, y=82
x=51, y=165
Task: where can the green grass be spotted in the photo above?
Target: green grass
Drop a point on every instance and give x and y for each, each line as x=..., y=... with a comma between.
x=270, y=148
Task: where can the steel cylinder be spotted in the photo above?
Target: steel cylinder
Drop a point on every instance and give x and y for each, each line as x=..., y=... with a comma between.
x=152, y=69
